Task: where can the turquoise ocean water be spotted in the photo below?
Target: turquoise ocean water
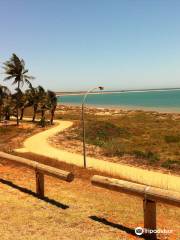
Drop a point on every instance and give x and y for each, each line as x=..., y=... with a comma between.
x=169, y=100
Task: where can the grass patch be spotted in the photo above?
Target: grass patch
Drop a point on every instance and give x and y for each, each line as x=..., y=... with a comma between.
x=150, y=156
x=172, y=138
x=105, y=135
x=171, y=164
x=4, y=130
x=112, y=148
x=100, y=133
x=11, y=136
x=103, y=130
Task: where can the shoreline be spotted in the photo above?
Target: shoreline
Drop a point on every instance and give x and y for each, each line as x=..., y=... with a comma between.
x=125, y=108
x=115, y=92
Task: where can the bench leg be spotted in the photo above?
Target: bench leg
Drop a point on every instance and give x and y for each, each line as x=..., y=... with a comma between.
x=150, y=217
x=40, y=184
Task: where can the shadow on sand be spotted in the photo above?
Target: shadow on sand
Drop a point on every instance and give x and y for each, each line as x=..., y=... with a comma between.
x=115, y=225
x=27, y=191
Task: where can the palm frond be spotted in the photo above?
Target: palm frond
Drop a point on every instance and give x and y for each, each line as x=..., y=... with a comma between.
x=25, y=71
x=15, y=69
x=7, y=78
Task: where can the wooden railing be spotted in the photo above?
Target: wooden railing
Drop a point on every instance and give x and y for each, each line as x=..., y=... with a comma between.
x=40, y=171
x=150, y=196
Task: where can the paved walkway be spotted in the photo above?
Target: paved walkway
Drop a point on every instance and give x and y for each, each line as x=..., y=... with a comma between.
x=39, y=144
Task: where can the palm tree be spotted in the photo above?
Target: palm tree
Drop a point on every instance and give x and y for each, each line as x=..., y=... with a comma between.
x=23, y=103
x=7, y=110
x=4, y=94
x=35, y=98
x=15, y=69
x=16, y=101
x=52, y=103
x=43, y=103
x=32, y=99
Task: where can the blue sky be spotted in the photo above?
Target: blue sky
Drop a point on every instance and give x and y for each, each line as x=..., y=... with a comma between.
x=78, y=44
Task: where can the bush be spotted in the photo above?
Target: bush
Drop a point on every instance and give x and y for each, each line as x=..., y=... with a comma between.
x=171, y=164
x=42, y=122
x=172, y=139
x=103, y=131
x=3, y=130
x=113, y=148
x=99, y=142
x=152, y=157
x=139, y=154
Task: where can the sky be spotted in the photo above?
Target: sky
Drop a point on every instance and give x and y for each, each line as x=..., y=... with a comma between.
x=71, y=45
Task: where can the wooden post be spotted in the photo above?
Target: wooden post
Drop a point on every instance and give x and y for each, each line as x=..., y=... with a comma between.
x=150, y=217
x=40, y=183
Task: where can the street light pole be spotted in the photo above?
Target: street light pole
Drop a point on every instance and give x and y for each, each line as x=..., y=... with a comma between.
x=83, y=122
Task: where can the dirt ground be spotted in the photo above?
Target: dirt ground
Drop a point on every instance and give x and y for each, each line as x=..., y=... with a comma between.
x=12, y=136
x=77, y=210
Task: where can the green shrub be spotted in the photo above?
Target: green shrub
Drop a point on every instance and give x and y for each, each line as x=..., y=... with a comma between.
x=172, y=138
x=99, y=142
x=103, y=131
x=139, y=154
x=3, y=130
x=113, y=148
x=150, y=156
x=171, y=164
x=42, y=122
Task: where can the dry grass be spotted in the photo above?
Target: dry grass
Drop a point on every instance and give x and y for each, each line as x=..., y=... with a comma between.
x=145, y=139
x=12, y=136
x=91, y=213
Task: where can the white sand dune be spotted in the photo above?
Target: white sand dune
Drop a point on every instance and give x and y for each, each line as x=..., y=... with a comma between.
x=39, y=144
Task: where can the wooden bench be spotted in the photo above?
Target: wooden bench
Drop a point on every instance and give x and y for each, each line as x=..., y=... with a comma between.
x=40, y=171
x=150, y=196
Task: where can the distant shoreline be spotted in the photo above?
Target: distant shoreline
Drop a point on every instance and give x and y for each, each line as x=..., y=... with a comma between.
x=126, y=108
x=114, y=92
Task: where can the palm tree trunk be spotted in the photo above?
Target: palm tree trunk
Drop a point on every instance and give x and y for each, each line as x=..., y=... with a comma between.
x=42, y=114
x=0, y=112
x=22, y=113
x=52, y=114
x=17, y=116
x=34, y=114
x=17, y=109
x=43, y=118
x=7, y=116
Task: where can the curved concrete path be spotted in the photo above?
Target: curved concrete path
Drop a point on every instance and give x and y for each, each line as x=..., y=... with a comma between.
x=39, y=144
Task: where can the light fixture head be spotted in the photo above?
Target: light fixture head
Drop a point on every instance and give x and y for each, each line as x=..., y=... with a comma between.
x=101, y=88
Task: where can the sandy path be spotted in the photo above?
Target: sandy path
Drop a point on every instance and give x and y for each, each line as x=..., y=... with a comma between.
x=39, y=144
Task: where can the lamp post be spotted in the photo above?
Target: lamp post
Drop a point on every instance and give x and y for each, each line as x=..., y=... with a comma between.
x=83, y=121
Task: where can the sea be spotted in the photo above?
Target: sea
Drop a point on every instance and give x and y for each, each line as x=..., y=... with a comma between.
x=162, y=100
